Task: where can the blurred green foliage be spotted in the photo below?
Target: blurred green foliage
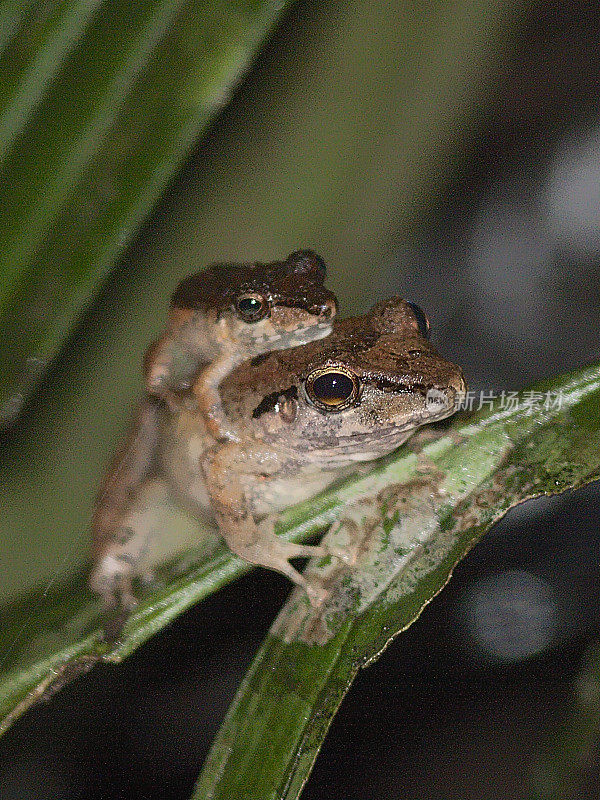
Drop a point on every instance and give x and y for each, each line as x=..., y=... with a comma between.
x=567, y=767
x=99, y=103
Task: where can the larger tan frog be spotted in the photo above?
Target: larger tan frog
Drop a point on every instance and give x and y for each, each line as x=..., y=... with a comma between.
x=303, y=416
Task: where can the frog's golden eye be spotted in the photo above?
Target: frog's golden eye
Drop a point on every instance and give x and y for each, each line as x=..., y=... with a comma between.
x=332, y=388
x=252, y=307
x=422, y=320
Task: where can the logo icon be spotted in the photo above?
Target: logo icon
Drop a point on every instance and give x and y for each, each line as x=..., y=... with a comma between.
x=436, y=400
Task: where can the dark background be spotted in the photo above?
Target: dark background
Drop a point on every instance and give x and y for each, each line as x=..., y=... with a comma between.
x=505, y=261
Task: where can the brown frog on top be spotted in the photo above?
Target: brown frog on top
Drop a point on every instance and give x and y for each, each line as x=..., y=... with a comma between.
x=229, y=313
x=304, y=417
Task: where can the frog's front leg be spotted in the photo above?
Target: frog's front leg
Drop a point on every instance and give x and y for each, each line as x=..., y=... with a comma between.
x=252, y=541
x=171, y=363
x=206, y=393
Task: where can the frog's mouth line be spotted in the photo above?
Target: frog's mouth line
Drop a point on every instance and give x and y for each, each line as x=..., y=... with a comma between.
x=388, y=385
x=379, y=435
x=390, y=432
x=317, y=310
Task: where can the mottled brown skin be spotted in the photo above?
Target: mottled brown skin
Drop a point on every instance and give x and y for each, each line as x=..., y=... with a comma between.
x=206, y=335
x=291, y=445
x=205, y=338
x=131, y=466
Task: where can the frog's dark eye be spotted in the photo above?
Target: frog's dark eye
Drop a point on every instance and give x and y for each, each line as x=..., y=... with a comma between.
x=422, y=321
x=251, y=307
x=332, y=388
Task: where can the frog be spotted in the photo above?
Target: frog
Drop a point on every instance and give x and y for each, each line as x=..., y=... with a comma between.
x=231, y=312
x=217, y=318
x=306, y=416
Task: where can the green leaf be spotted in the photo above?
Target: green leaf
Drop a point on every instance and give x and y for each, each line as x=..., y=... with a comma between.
x=40, y=38
x=412, y=533
x=99, y=104
x=474, y=470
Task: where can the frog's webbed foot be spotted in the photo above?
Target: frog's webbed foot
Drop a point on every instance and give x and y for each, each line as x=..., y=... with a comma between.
x=126, y=549
x=317, y=593
x=112, y=580
x=259, y=545
x=313, y=587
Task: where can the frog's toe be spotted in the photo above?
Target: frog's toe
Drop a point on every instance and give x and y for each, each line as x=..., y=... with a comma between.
x=103, y=580
x=317, y=593
x=128, y=602
x=120, y=611
x=112, y=581
x=347, y=555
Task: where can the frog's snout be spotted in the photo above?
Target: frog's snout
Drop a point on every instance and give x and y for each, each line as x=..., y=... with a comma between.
x=448, y=398
x=327, y=309
x=459, y=386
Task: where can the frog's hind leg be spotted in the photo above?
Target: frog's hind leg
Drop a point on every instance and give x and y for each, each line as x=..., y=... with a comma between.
x=126, y=553
x=111, y=576
x=130, y=468
x=114, y=565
